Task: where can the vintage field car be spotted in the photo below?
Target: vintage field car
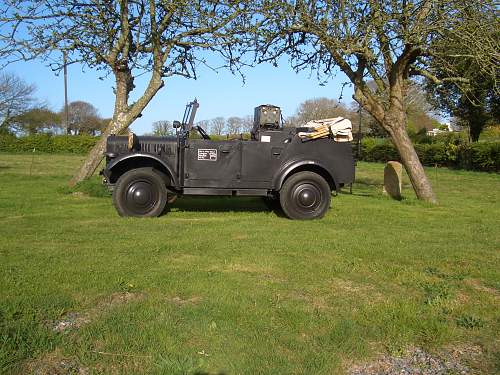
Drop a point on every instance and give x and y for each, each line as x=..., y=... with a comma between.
x=144, y=172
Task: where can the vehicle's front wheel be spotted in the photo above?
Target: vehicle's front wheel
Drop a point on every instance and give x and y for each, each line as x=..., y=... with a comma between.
x=305, y=196
x=140, y=192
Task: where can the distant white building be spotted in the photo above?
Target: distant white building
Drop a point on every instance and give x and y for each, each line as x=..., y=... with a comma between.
x=451, y=127
x=436, y=131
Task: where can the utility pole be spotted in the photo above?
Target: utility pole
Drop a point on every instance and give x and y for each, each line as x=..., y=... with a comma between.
x=359, y=133
x=66, y=113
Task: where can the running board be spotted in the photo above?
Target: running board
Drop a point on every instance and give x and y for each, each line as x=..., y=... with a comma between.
x=226, y=192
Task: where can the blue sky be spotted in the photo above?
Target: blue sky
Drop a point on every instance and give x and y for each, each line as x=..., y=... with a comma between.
x=219, y=94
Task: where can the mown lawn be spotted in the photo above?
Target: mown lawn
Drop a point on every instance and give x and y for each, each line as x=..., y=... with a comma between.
x=223, y=286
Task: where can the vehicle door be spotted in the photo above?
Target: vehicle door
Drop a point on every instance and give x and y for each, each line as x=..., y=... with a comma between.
x=212, y=164
x=261, y=159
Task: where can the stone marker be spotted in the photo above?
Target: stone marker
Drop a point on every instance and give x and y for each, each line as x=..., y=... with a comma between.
x=392, y=179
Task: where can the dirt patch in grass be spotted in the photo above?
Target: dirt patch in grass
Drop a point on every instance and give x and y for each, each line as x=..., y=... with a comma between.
x=184, y=259
x=79, y=194
x=74, y=320
x=54, y=363
x=246, y=268
x=183, y=302
x=349, y=287
x=314, y=301
x=477, y=285
x=416, y=361
x=265, y=274
x=240, y=237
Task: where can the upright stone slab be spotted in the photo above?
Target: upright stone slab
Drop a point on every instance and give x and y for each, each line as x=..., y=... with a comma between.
x=393, y=172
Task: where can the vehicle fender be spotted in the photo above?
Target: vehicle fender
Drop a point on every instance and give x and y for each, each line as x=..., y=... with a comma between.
x=130, y=158
x=289, y=168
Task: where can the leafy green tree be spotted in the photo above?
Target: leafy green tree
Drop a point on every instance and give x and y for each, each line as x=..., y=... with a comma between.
x=37, y=120
x=475, y=101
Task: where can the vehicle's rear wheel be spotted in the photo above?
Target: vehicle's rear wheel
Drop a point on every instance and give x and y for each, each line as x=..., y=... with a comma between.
x=305, y=196
x=140, y=192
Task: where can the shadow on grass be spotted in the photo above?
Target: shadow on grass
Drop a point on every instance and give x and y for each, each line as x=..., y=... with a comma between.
x=368, y=182
x=221, y=204
x=365, y=187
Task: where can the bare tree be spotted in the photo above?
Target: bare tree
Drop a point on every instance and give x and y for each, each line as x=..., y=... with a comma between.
x=234, y=125
x=320, y=108
x=420, y=114
x=83, y=118
x=247, y=124
x=205, y=124
x=16, y=98
x=125, y=38
x=381, y=40
x=163, y=128
x=217, y=125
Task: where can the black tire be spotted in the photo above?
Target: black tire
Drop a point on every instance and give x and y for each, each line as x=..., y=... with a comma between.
x=305, y=196
x=140, y=192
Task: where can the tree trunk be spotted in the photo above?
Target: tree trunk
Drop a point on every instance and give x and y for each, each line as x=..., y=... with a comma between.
x=121, y=120
x=393, y=120
x=95, y=156
x=411, y=162
x=123, y=117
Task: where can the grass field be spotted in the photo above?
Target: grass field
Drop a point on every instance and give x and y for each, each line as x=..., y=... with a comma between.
x=223, y=286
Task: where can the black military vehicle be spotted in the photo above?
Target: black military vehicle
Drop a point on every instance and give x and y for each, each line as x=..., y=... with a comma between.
x=143, y=172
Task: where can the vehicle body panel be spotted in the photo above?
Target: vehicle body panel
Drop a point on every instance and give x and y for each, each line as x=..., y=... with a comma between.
x=258, y=166
x=235, y=164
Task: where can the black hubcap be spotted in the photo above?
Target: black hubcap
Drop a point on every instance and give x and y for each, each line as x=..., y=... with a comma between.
x=307, y=197
x=141, y=197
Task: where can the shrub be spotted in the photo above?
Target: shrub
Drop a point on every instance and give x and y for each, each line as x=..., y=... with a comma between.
x=451, y=150
x=75, y=144
x=480, y=156
x=92, y=187
x=431, y=154
x=454, y=153
x=491, y=133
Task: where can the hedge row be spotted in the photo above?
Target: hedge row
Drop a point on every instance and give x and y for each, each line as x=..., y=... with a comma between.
x=80, y=144
x=480, y=156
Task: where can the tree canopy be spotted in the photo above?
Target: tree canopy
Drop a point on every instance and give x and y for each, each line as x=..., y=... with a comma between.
x=475, y=102
x=36, y=120
x=16, y=98
x=84, y=119
x=126, y=38
x=384, y=41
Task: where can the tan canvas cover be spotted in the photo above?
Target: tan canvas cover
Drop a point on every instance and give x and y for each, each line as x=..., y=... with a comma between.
x=340, y=129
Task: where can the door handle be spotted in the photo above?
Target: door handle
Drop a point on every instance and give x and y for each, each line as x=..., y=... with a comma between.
x=225, y=151
x=276, y=153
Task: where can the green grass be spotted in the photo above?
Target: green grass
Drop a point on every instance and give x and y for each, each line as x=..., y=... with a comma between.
x=225, y=286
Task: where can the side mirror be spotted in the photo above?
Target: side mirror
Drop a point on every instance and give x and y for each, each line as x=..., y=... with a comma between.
x=176, y=124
